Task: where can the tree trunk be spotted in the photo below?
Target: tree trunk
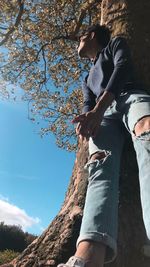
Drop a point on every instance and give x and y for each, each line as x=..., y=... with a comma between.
x=57, y=243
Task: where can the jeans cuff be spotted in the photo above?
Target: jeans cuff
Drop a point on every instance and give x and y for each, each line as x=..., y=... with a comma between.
x=111, y=249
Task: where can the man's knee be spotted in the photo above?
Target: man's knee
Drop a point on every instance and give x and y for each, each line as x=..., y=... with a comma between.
x=142, y=126
x=98, y=158
x=98, y=155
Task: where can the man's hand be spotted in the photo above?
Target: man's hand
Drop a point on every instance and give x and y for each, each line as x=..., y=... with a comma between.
x=88, y=124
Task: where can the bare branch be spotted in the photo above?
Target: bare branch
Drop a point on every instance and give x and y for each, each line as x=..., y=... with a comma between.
x=45, y=66
x=88, y=8
x=18, y=19
x=34, y=60
x=79, y=23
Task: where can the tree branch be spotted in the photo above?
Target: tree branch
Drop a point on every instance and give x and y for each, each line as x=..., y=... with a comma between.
x=18, y=19
x=88, y=7
x=45, y=66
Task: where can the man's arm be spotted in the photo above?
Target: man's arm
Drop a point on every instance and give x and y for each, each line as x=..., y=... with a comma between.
x=123, y=68
x=104, y=102
x=88, y=97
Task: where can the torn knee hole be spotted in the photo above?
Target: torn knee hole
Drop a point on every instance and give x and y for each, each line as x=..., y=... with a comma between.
x=145, y=136
x=97, y=159
x=142, y=126
x=98, y=156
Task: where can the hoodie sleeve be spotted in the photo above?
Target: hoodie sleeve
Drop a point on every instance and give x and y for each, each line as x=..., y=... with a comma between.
x=122, y=65
x=89, y=99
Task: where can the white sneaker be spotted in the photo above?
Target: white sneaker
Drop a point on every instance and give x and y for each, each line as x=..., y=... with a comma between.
x=73, y=262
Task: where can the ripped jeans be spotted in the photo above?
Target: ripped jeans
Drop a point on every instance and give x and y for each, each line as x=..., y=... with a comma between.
x=100, y=215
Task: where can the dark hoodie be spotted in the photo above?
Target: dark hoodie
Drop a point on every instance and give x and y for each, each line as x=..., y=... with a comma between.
x=112, y=71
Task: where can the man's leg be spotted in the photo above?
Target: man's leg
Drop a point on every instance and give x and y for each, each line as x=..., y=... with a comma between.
x=141, y=142
x=92, y=252
x=98, y=232
x=137, y=121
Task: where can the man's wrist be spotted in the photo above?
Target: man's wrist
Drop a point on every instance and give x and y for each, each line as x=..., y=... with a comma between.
x=104, y=102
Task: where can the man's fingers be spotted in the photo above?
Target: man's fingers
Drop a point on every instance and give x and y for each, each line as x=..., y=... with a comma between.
x=82, y=132
x=83, y=138
x=78, y=129
x=78, y=119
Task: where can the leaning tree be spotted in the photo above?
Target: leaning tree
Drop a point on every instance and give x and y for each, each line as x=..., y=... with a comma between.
x=39, y=52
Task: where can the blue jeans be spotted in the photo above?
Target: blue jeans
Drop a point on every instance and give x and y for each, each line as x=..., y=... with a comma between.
x=100, y=215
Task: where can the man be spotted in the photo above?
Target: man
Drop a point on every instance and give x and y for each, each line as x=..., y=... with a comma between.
x=114, y=104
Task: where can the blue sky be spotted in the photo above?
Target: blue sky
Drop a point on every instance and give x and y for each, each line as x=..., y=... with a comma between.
x=34, y=172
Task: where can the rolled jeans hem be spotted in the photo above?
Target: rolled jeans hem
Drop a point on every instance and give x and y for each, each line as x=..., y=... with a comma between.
x=111, y=250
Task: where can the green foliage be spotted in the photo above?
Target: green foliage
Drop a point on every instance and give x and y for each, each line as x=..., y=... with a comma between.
x=40, y=53
x=7, y=256
x=13, y=238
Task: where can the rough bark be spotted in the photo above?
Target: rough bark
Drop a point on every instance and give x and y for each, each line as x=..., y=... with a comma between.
x=131, y=18
x=57, y=243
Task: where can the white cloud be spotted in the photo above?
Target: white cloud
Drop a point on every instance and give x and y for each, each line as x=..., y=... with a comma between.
x=12, y=215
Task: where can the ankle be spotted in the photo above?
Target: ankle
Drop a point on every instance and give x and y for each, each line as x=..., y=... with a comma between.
x=85, y=251
x=92, y=253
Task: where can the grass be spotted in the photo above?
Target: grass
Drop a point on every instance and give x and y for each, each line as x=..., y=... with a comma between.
x=7, y=256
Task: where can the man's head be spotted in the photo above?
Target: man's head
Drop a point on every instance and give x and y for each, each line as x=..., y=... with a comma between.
x=92, y=40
